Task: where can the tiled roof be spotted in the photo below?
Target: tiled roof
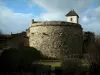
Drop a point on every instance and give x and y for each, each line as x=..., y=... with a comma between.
x=72, y=13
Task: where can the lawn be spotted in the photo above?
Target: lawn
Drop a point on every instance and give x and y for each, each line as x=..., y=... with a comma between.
x=53, y=63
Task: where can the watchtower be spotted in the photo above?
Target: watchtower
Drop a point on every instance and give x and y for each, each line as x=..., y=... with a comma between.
x=72, y=17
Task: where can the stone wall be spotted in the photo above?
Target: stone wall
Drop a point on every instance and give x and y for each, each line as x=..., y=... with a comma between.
x=18, y=40
x=54, y=39
x=3, y=41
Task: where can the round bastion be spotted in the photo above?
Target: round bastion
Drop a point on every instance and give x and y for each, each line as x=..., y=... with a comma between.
x=56, y=38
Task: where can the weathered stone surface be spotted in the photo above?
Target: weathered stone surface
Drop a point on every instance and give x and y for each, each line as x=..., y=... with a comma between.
x=56, y=38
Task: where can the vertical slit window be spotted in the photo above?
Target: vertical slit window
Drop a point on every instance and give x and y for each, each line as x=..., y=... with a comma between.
x=71, y=19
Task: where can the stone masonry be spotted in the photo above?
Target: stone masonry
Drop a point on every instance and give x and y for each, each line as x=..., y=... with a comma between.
x=56, y=38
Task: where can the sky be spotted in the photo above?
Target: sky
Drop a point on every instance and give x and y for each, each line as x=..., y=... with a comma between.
x=15, y=15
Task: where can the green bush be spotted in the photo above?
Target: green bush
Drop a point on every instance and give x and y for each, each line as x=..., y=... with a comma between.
x=73, y=65
x=9, y=60
x=18, y=59
x=28, y=55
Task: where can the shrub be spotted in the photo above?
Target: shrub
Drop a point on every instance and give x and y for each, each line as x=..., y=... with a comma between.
x=18, y=59
x=9, y=60
x=73, y=66
x=27, y=56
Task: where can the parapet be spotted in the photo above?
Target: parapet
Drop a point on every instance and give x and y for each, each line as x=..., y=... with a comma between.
x=53, y=23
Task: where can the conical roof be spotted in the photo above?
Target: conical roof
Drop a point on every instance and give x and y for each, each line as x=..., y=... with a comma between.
x=72, y=13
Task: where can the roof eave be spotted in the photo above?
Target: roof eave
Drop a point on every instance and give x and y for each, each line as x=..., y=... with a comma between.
x=72, y=15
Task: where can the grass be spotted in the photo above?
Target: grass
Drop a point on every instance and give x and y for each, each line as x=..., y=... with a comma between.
x=51, y=62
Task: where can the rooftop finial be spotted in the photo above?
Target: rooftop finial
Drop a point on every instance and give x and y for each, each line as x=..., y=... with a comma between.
x=11, y=33
x=71, y=9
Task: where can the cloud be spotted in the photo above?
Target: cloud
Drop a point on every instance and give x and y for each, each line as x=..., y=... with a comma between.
x=93, y=17
x=49, y=16
x=85, y=19
x=62, y=5
x=11, y=21
x=56, y=10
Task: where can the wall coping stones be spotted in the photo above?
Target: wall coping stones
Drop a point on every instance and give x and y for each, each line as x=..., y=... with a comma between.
x=54, y=23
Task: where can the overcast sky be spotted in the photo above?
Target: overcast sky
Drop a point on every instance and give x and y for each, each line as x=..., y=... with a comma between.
x=15, y=15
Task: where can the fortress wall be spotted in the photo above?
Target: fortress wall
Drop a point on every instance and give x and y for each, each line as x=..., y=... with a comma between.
x=56, y=39
x=54, y=23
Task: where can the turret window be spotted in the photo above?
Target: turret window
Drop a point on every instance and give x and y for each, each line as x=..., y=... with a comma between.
x=71, y=19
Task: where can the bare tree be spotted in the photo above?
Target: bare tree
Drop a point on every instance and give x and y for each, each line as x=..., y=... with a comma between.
x=93, y=49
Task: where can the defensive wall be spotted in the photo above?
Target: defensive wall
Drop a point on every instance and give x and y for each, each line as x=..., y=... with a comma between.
x=56, y=38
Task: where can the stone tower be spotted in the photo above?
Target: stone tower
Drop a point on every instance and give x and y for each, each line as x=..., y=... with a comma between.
x=56, y=38
x=72, y=17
